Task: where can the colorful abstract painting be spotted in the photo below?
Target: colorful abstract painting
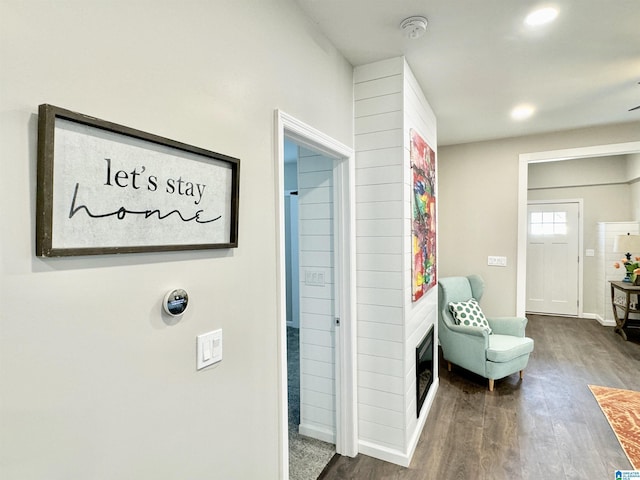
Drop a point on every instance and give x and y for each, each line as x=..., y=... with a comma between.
x=423, y=225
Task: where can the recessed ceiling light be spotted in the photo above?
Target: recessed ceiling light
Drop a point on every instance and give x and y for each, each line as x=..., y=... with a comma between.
x=522, y=112
x=541, y=16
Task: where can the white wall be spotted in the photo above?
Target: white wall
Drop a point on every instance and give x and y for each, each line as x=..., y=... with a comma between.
x=633, y=169
x=387, y=104
x=633, y=166
x=380, y=249
x=478, y=204
x=423, y=314
x=635, y=200
x=317, y=298
x=608, y=170
x=95, y=385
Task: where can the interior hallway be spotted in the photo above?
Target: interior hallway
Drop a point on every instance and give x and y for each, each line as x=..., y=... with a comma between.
x=548, y=426
x=307, y=456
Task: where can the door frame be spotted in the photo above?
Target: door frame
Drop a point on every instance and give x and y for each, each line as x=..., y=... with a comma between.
x=580, y=278
x=296, y=323
x=345, y=338
x=523, y=179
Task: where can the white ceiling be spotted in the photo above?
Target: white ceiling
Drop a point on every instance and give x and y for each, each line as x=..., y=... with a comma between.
x=477, y=59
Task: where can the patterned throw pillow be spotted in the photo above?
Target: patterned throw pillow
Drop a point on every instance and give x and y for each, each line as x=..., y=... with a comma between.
x=470, y=314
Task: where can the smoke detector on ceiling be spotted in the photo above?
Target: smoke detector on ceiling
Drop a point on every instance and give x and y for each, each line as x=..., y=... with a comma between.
x=414, y=27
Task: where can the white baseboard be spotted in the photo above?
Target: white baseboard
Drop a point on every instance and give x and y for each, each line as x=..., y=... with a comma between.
x=319, y=433
x=384, y=453
x=397, y=456
x=426, y=409
x=604, y=321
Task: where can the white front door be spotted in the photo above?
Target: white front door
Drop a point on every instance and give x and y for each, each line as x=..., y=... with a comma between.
x=553, y=258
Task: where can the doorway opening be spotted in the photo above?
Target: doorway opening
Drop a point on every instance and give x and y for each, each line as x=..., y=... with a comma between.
x=550, y=156
x=321, y=300
x=311, y=309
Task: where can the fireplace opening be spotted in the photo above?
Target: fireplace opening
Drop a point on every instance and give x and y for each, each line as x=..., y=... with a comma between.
x=424, y=368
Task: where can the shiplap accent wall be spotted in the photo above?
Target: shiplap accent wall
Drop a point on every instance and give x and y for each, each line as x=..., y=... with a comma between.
x=423, y=314
x=388, y=102
x=317, y=377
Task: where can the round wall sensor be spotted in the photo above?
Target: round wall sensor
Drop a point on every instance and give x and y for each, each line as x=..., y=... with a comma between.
x=414, y=27
x=175, y=302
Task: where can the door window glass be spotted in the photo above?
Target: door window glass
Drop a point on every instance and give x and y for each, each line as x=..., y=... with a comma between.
x=548, y=223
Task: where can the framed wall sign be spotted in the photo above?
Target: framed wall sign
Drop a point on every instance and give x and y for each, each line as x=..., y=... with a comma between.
x=104, y=188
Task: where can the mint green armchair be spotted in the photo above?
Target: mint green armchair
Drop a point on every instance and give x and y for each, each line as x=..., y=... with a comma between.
x=494, y=355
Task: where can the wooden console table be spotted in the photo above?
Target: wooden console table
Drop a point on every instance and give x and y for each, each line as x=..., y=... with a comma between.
x=622, y=308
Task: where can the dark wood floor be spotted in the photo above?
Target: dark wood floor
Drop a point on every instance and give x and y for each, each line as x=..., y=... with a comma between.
x=548, y=426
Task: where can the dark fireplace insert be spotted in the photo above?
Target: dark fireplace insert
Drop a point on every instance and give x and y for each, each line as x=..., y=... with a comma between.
x=424, y=368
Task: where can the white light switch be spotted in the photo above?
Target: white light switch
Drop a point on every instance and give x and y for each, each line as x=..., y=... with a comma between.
x=208, y=349
x=216, y=346
x=314, y=278
x=497, y=261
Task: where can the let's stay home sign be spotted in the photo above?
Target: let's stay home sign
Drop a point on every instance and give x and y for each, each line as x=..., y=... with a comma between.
x=113, y=190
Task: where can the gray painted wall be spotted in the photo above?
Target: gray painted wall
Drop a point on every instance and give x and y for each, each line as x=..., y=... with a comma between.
x=478, y=203
x=95, y=384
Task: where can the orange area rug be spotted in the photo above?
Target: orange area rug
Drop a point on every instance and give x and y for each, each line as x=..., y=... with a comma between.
x=622, y=409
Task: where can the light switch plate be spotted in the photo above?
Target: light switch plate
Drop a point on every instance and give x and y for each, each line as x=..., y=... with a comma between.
x=497, y=261
x=216, y=346
x=208, y=349
x=314, y=278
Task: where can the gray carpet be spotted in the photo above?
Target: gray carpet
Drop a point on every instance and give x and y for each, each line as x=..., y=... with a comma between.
x=307, y=456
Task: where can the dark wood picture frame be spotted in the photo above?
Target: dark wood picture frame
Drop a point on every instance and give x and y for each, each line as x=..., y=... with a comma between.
x=189, y=216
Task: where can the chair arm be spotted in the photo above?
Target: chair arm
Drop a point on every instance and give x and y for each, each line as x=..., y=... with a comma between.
x=514, y=326
x=466, y=347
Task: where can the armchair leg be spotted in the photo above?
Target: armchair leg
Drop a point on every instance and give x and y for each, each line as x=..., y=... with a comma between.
x=491, y=380
x=449, y=366
x=521, y=374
